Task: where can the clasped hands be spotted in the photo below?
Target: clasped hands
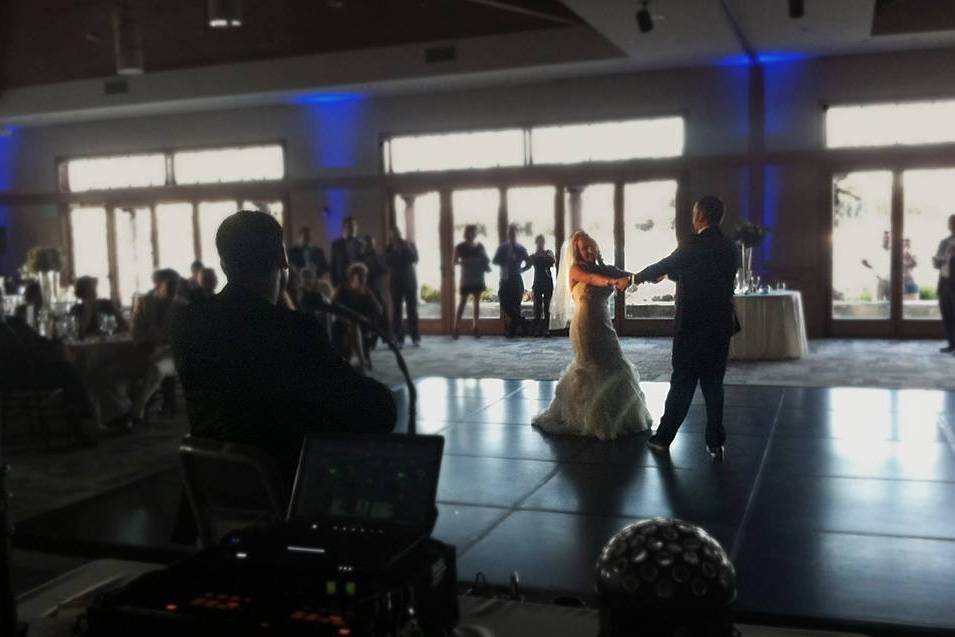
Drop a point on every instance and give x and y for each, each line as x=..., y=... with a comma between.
x=626, y=281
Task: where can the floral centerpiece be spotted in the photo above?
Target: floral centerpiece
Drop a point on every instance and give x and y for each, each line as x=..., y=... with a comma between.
x=748, y=235
x=46, y=263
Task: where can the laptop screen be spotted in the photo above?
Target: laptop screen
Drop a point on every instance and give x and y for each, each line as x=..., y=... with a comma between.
x=383, y=479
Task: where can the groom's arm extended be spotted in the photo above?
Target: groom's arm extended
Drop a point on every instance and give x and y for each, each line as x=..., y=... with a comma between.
x=670, y=266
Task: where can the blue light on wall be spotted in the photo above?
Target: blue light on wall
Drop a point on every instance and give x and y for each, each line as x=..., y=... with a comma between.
x=772, y=196
x=334, y=124
x=336, y=202
x=8, y=148
x=767, y=57
x=327, y=98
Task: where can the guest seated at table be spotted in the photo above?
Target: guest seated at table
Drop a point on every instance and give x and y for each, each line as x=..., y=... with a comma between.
x=150, y=362
x=256, y=372
x=32, y=303
x=350, y=338
x=30, y=362
x=208, y=281
x=90, y=309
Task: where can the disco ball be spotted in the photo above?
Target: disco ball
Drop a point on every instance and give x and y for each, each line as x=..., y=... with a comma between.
x=667, y=574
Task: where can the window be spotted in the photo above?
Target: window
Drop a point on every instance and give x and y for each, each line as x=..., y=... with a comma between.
x=456, y=151
x=90, y=255
x=649, y=234
x=229, y=164
x=136, y=247
x=124, y=171
x=134, y=251
x=570, y=144
x=890, y=124
x=175, y=236
x=608, y=141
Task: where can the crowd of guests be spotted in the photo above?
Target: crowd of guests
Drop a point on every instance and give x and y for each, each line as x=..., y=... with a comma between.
x=379, y=285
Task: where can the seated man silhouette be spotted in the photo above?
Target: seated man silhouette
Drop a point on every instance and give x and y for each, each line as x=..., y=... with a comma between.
x=259, y=373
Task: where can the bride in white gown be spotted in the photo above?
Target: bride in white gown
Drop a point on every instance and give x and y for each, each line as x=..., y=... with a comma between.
x=599, y=393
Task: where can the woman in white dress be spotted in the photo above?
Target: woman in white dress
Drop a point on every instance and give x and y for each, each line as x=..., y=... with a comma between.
x=599, y=393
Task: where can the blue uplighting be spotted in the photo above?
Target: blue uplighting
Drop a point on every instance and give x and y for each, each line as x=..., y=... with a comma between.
x=327, y=98
x=337, y=206
x=8, y=147
x=768, y=57
x=772, y=195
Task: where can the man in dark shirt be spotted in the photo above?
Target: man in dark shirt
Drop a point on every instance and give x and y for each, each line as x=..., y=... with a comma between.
x=346, y=250
x=258, y=373
x=402, y=256
x=513, y=259
x=305, y=255
x=705, y=271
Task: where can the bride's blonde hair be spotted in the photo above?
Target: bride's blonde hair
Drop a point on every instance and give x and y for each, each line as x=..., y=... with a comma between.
x=581, y=235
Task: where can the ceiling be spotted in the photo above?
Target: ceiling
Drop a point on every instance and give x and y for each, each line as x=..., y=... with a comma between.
x=50, y=41
x=692, y=32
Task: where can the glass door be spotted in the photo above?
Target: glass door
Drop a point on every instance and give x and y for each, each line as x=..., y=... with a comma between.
x=418, y=218
x=135, y=258
x=175, y=237
x=861, y=247
x=480, y=208
x=532, y=211
x=210, y=215
x=88, y=230
x=928, y=205
x=649, y=234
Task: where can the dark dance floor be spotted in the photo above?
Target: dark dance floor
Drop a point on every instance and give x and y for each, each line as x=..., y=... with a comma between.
x=837, y=505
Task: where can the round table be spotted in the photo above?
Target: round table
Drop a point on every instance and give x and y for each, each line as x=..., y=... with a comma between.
x=91, y=354
x=774, y=327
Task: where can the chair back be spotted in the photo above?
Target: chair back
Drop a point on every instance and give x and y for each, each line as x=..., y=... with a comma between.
x=230, y=486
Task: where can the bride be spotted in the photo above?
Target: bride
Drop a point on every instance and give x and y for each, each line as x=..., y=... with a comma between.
x=599, y=393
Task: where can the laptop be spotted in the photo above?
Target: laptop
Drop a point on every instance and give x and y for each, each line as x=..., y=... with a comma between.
x=368, y=494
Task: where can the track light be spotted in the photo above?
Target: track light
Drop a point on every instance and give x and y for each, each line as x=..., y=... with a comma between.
x=644, y=19
x=225, y=14
x=797, y=8
x=127, y=41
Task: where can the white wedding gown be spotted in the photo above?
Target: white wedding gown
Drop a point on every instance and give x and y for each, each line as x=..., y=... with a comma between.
x=599, y=393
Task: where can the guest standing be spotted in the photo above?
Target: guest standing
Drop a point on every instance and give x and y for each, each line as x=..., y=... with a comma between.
x=946, y=294
x=208, y=281
x=258, y=373
x=513, y=259
x=543, y=289
x=472, y=258
x=402, y=256
x=910, y=287
x=28, y=311
x=345, y=250
x=305, y=255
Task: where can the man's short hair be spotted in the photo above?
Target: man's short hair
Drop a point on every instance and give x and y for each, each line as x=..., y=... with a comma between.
x=712, y=209
x=166, y=275
x=250, y=244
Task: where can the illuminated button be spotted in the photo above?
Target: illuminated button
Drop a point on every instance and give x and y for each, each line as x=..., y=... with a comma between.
x=344, y=632
x=331, y=588
x=350, y=589
x=172, y=607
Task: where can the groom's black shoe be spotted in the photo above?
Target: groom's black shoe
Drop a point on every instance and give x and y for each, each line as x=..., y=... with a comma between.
x=947, y=350
x=715, y=452
x=657, y=445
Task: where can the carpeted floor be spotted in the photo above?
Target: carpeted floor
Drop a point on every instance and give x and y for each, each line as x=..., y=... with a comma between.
x=831, y=362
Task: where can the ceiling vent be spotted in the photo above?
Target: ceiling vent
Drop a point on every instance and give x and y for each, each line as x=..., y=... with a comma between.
x=903, y=17
x=440, y=54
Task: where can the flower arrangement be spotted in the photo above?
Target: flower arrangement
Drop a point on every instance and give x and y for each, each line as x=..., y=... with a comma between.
x=749, y=234
x=44, y=259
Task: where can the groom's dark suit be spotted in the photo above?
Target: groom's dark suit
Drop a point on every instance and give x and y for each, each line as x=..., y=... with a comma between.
x=705, y=271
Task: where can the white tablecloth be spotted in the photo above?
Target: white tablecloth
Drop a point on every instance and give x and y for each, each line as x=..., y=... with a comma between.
x=774, y=327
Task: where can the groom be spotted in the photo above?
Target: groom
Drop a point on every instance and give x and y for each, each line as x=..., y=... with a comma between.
x=705, y=271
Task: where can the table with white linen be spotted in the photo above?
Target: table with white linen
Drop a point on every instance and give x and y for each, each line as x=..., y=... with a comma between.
x=774, y=327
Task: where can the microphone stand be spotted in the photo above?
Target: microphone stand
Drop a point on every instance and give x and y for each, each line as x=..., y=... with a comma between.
x=347, y=313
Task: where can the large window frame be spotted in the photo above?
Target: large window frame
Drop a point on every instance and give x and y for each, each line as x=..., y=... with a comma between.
x=114, y=200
